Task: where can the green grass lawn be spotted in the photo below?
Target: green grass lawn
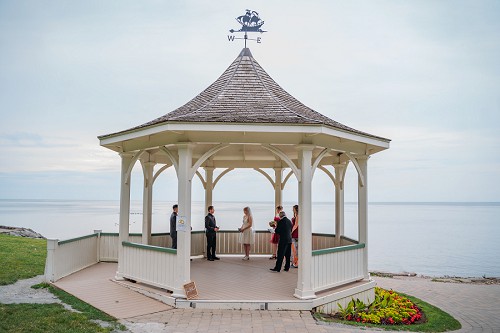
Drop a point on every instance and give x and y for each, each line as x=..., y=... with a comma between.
x=21, y=258
x=436, y=320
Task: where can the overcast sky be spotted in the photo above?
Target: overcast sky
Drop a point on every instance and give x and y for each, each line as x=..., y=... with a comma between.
x=425, y=74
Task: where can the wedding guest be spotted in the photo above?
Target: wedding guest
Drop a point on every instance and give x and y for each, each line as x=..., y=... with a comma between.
x=246, y=232
x=211, y=231
x=173, y=225
x=284, y=229
x=275, y=238
x=295, y=236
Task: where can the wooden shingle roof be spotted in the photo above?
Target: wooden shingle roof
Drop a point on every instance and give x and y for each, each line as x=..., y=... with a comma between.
x=245, y=93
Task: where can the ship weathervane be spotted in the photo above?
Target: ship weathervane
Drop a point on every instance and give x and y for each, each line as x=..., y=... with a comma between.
x=250, y=22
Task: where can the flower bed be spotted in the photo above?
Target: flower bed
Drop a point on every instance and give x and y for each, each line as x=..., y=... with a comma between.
x=388, y=308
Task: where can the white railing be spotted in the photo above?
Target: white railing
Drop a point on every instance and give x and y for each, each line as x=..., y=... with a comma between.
x=337, y=266
x=149, y=264
x=69, y=256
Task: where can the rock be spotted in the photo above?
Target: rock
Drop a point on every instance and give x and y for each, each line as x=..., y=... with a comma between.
x=21, y=232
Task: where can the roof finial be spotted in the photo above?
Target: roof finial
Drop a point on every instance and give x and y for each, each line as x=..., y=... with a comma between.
x=250, y=22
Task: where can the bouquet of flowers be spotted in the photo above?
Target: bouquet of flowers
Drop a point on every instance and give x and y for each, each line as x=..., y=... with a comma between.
x=272, y=224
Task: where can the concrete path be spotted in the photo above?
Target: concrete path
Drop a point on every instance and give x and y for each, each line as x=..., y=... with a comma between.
x=475, y=306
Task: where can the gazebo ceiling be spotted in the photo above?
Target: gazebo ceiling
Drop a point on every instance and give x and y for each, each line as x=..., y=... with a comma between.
x=244, y=107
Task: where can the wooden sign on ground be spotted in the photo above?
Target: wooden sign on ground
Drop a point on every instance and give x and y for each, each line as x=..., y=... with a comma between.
x=191, y=291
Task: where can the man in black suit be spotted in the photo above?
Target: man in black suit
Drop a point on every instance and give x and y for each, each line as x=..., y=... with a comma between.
x=211, y=230
x=284, y=229
x=173, y=225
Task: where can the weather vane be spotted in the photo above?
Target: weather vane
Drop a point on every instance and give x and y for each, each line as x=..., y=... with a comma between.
x=250, y=22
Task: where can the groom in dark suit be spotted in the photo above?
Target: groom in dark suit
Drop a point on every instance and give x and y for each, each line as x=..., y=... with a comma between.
x=284, y=229
x=211, y=230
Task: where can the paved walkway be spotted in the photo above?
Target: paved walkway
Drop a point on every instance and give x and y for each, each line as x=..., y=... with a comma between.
x=475, y=306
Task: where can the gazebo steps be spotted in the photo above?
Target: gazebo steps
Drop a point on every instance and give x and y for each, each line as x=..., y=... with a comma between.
x=327, y=299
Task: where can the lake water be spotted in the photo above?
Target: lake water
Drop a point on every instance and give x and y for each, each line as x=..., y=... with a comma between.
x=456, y=239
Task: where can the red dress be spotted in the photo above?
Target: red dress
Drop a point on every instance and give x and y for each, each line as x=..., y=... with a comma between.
x=275, y=238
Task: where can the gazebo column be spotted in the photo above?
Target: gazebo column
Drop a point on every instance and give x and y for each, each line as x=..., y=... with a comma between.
x=147, y=201
x=304, y=284
x=183, y=268
x=123, y=231
x=363, y=210
x=209, y=187
x=278, y=191
x=339, y=203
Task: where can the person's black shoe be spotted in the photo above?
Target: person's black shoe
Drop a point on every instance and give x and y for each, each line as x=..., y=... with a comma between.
x=286, y=270
x=274, y=270
x=210, y=259
x=216, y=258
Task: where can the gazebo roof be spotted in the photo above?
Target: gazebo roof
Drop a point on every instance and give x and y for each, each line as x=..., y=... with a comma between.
x=245, y=94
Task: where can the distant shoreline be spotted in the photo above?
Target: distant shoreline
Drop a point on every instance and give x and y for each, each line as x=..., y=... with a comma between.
x=375, y=203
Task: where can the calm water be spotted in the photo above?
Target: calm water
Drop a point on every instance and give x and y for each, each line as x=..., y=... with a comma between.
x=426, y=238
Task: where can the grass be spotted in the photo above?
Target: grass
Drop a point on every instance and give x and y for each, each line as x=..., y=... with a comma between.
x=22, y=258
x=36, y=318
x=437, y=320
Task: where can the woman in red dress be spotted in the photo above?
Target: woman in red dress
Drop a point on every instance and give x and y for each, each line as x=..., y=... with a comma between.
x=275, y=238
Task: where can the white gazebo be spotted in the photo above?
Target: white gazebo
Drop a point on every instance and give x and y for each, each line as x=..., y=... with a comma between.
x=246, y=120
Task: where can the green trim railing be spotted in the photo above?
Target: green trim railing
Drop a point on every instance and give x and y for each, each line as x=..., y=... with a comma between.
x=338, y=249
x=71, y=240
x=150, y=247
x=349, y=239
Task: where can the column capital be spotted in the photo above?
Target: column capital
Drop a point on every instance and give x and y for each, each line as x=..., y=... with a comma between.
x=305, y=147
x=209, y=168
x=185, y=145
x=148, y=163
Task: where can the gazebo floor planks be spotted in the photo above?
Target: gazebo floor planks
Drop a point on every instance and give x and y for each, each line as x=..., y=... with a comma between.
x=234, y=279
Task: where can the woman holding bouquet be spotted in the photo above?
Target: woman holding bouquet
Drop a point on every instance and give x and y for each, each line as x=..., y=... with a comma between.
x=275, y=238
x=246, y=232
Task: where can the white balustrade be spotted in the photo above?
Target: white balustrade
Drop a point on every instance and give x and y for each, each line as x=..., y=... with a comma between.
x=149, y=264
x=337, y=266
x=69, y=256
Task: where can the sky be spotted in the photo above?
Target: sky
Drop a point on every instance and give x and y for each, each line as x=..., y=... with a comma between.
x=425, y=74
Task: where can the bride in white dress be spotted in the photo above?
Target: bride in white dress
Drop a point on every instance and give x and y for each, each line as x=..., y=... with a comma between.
x=246, y=236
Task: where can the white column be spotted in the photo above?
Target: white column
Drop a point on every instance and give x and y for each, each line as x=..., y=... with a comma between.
x=363, y=211
x=124, y=209
x=50, y=262
x=209, y=187
x=278, y=192
x=147, y=201
x=183, y=267
x=339, y=203
x=304, y=283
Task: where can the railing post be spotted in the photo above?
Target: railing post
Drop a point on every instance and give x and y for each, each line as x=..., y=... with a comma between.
x=98, y=232
x=50, y=262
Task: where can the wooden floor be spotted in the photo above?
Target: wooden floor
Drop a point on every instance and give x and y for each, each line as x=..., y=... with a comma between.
x=234, y=279
x=227, y=279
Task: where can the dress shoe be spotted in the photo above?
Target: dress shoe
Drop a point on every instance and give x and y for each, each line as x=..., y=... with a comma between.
x=274, y=270
x=210, y=259
x=286, y=270
x=216, y=258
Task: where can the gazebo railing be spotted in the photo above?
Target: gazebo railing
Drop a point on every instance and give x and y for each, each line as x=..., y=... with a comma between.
x=337, y=266
x=153, y=265
x=69, y=256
